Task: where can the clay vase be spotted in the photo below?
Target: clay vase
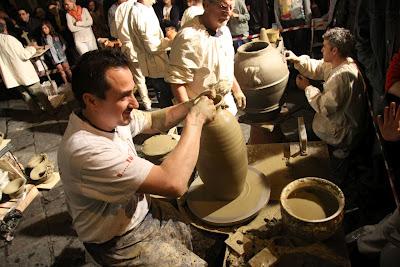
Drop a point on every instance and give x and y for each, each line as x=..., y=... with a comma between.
x=222, y=163
x=262, y=73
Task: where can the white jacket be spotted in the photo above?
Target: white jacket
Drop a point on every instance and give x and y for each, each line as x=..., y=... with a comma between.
x=15, y=67
x=340, y=109
x=148, y=40
x=82, y=30
x=123, y=30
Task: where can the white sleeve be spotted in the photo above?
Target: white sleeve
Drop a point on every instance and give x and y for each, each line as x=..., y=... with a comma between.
x=24, y=53
x=87, y=20
x=335, y=95
x=311, y=68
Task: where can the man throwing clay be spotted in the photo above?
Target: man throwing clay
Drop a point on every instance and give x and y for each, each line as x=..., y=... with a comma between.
x=106, y=182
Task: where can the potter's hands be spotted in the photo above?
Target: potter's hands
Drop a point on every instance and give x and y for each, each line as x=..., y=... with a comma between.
x=240, y=99
x=302, y=82
x=290, y=56
x=203, y=110
x=389, y=125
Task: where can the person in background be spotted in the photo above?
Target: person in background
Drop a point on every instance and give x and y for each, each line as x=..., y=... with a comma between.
x=58, y=18
x=238, y=23
x=40, y=14
x=80, y=23
x=111, y=18
x=340, y=108
x=17, y=70
x=99, y=26
x=56, y=53
x=195, y=8
x=202, y=57
x=151, y=47
x=29, y=24
x=122, y=22
x=168, y=14
x=107, y=185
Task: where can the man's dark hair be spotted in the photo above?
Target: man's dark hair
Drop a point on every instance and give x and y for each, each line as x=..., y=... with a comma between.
x=3, y=26
x=89, y=73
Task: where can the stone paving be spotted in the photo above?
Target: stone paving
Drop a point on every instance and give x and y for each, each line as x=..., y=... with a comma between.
x=44, y=236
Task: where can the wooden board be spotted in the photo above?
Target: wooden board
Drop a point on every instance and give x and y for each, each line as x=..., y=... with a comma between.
x=21, y=203
x=282, y=163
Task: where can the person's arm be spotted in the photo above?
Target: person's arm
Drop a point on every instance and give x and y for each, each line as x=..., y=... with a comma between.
x=172, y=176
x=87, y=20
x=243, y=14
x=24, y=53
x=336, y=94
x=179, y=92
x=238, y=95
x=311, y=68
x=70, y=23
x=150, y=34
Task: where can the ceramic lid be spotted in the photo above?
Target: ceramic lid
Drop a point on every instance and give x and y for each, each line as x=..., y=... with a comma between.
x=255, y=195
x=159, y=145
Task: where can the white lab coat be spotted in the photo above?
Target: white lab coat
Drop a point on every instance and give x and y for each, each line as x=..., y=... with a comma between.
x=123, y=30
x=341, y=106
x=15, y=67
x=149, y=42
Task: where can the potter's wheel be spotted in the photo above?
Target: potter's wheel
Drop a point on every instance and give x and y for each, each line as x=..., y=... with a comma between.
x=254, y=196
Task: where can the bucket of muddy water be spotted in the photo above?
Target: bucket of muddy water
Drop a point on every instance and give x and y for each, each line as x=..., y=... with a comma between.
x=312, y=208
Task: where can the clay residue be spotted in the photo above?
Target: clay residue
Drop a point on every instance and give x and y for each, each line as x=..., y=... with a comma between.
x=311, y=204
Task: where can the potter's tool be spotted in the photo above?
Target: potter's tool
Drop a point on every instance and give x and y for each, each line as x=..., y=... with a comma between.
x=302, y=136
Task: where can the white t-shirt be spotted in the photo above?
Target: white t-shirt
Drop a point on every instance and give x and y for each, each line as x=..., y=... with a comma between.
x=201, y=60
x=101, y=172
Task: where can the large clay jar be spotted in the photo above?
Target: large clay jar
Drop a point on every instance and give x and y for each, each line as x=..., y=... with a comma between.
x=262, y=73
x=222, y=163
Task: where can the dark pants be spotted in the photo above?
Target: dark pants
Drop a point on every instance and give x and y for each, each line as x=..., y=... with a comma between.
x=35, y=98
x=163, y=91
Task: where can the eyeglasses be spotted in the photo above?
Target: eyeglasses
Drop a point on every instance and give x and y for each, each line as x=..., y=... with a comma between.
x=223, y=6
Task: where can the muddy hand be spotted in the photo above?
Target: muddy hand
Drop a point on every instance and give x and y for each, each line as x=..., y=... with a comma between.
x=290, y=56
x=240, y=100
x=204, y=107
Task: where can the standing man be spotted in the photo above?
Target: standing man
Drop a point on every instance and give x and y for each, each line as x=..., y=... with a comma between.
x=17, y=71
x=341, y=107
x=122, y=19
x=111, y=18
x=151, y=47
x=104, y=179
x=202, y=57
